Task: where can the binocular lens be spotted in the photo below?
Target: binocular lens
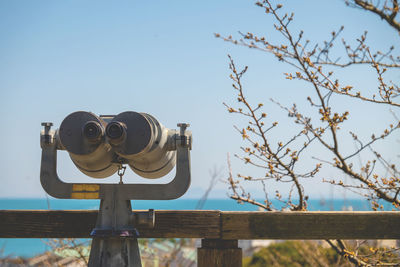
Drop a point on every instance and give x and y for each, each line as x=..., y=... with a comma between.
x=92, y=130
x=114, y=130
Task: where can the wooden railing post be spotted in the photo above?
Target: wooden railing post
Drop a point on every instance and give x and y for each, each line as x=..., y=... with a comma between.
x=219, y=253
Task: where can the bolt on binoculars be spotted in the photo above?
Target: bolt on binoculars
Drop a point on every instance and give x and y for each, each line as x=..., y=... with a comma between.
x=99, y=144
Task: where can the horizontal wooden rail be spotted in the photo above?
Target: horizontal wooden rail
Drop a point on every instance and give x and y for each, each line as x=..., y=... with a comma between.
x=211, y=224
x=310, y=225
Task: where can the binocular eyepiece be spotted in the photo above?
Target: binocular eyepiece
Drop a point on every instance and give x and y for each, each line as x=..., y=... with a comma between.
x=98, y=144
x=115, y=131
x=93, y=131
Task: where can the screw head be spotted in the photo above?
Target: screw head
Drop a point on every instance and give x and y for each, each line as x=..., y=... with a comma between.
x=185, y=125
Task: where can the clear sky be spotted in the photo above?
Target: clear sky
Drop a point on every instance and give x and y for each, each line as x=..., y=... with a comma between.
x=158, y=57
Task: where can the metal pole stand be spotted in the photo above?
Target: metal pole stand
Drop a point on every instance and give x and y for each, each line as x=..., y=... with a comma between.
x=115, y=237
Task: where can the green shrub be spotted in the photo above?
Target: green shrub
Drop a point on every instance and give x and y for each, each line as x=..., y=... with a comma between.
x=293, y=253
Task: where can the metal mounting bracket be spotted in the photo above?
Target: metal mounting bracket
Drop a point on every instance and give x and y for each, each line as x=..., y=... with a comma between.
x=55, y=187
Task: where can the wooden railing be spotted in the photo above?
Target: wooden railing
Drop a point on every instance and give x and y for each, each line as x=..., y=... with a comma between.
x=219, y=230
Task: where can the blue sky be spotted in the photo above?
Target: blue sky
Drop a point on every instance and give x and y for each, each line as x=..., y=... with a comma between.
x=158, y=57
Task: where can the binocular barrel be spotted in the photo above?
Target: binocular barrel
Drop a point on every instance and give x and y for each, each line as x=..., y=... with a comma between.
x=97, y=145
x=82, y=135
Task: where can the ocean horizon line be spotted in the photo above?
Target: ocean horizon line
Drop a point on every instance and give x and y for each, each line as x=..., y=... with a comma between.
x=181, y=198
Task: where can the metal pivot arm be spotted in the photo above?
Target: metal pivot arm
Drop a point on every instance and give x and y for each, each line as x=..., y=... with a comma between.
x=55, y=187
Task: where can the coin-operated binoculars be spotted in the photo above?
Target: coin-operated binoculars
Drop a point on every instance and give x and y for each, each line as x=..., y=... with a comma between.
x=100, y=146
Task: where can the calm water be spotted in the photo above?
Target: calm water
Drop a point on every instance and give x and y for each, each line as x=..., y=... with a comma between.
x=30, y=247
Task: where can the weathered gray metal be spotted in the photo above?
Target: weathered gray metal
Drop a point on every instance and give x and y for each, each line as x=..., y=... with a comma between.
x=115, y=237
x=98, y=145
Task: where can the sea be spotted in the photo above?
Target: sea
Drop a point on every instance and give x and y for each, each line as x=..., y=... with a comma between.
x=29, y=247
